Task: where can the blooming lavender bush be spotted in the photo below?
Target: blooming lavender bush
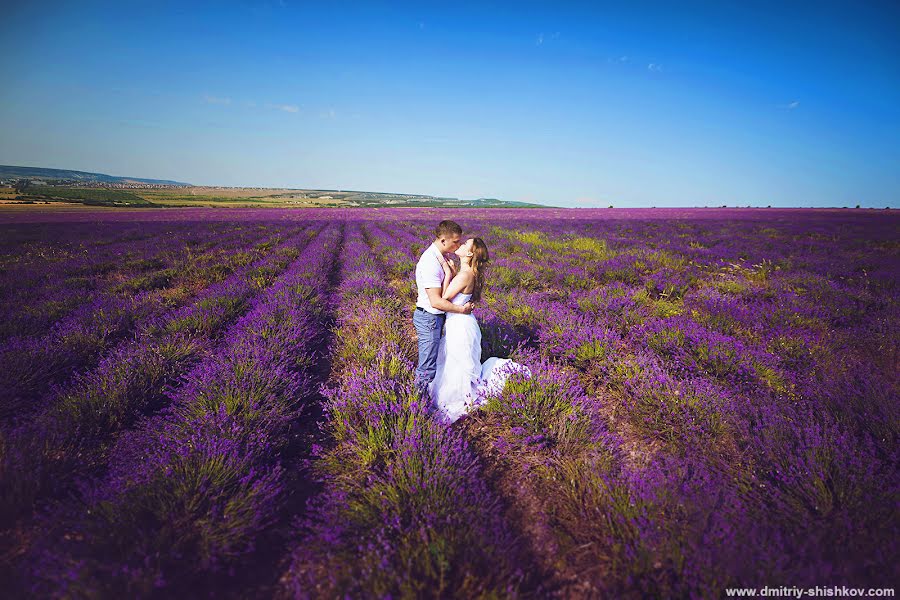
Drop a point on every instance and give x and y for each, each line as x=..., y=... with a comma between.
x=714, y=403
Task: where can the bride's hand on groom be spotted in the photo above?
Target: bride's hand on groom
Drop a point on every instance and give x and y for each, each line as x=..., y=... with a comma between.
x=468, y=307
x=449, y=266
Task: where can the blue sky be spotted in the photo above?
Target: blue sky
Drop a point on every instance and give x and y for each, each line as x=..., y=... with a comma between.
x=565, y=104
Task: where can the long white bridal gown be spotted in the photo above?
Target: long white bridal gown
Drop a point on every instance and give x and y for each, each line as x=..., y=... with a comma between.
x=461, y=377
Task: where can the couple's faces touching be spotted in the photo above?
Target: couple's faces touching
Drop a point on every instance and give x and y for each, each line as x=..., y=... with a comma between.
x=449, y=244
x=465, y=249
x=455, y=245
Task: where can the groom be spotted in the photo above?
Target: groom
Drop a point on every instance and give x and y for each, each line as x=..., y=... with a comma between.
x=431, y=308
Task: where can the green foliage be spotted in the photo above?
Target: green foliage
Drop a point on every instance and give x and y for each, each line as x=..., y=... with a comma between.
x=602, y=518
x=761, y=271
x=210, y=314
x=591, y=351
x=112, y=400
x=795, y=353
x=666, y=339
x=626, y=274
x=665, y=411
x=544, y=408
x=623, y=369
x=662, y=306
x=596, y=249
x=150, y=281
x=590, y=304
x=719, y=360
x=572, y=281
x=771, y=378
x=363, y=333
x=168, y=515
x=91, y=196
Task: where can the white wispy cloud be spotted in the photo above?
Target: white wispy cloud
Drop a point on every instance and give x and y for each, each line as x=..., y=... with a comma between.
x=291, y=108
x=790, y=105
x=654, y=67
x=328, y=114
x=216, y=99
x=541, y=38
x=288, y=108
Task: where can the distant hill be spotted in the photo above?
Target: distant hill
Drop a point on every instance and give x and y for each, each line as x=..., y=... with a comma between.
x=376, y=199
x=14, y=172
x=64, y=185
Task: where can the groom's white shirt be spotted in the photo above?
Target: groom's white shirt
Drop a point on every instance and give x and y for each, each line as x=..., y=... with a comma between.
x=429, y=273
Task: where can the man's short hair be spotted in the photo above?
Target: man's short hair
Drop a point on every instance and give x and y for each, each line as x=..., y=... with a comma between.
x=446, y=229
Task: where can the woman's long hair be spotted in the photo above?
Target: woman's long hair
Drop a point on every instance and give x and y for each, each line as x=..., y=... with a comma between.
x=480, y=261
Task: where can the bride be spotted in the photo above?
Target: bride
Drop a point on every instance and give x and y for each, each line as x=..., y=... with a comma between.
x=461, y=378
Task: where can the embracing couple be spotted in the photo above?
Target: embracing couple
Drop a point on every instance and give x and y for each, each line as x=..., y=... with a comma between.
x=450, y=371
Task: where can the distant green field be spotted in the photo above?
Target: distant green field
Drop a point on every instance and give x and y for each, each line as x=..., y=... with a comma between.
x=239, y=197
x=90, y=196
x=195, y=199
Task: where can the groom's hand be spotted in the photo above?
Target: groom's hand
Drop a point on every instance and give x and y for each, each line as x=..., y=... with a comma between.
x=468, y=307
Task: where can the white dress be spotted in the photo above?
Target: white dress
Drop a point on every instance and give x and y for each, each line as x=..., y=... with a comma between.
x=461, y=380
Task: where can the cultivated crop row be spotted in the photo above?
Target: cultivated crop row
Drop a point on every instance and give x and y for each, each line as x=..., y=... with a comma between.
x=30, y=365
x=69, y=439
x=648, y=438
x=405, y=510
x=190, y=490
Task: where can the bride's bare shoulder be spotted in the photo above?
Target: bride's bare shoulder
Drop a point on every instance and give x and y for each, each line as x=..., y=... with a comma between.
x=468, y=279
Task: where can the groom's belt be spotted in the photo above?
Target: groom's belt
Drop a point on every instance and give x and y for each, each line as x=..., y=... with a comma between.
x=430, y=313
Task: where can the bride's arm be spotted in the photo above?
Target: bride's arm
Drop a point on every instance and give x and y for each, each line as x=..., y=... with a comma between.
x=448, y=276
x=456, y=286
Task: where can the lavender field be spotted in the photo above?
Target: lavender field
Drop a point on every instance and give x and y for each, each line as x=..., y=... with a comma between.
x=220, y=403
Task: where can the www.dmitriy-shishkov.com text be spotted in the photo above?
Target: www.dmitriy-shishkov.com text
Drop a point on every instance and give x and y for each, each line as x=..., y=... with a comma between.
x=834, y=591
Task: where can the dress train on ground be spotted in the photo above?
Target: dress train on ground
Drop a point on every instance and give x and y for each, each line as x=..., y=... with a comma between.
x=461, y=379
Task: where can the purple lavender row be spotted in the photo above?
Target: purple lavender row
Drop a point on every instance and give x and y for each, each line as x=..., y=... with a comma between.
x=581, y=343
x=48, y=296
x=29, y=367
x=748, y=391
x=29, y=251
x=34, y=367
x=549, y=410
x=404, y=511
x=42, y=458
x=735, y=364
x=740, y=349
x=878, y=225
x=588, y=257
x=700, y=404
x=150, y=266
x=70, y=250
x=206, y=472
x=547, y=308
x=38, y=293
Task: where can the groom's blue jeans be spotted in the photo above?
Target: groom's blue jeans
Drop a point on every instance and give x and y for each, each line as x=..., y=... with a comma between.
x=428, y=330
